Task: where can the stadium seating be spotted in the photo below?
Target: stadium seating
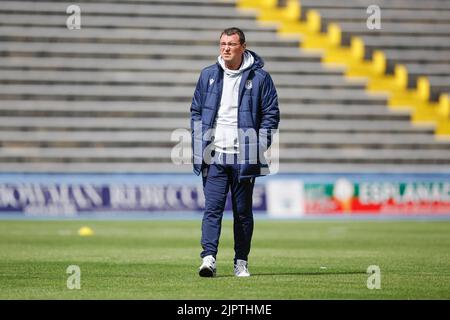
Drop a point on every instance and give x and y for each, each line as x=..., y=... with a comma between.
x=414, y=33
x=107, y=97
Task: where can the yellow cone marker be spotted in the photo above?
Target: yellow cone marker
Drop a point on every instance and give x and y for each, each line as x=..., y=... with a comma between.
x=85, y=232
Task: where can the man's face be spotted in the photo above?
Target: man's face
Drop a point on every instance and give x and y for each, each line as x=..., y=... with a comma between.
x=231, y=50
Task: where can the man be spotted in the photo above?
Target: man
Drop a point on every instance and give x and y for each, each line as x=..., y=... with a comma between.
x=234, y=110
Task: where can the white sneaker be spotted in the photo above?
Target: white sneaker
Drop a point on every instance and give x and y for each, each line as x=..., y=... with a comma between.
x=208, y=267
x=241, y=268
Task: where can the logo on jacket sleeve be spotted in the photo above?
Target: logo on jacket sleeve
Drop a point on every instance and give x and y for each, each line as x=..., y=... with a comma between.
x=248, y=84
x=211, y=81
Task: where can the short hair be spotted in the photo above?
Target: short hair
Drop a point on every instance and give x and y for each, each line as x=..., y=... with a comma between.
x=234, y=30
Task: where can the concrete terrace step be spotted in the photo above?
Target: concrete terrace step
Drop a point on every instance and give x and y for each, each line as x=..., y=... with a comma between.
x=435, y=69
x=295, y=154
x=436, y=15
x=176, y=93
x=339, y=166
x=168, y=51
x=162, y=78
x=166, y=112
x=388, y=4
x=171, y=2
x=418, y=55
x=146, y=167
x=406, y=42
x=151, y=123
x=124, y=22
x=168, y=78
x=126, y=136
x=86, y=107
x=162, y=65
x=218, y=3
x=406, y=155
x=83, y=123
x=165, y=138
x=392, y=28
x=87, y=153
x=156, y=36
x=75, y=108
x=177, y=107
x=210, y=10
x=108, y=97
x=438, y=85
x=364, y=139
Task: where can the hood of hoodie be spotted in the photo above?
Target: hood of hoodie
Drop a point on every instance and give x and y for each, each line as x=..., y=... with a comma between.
x=251, y=60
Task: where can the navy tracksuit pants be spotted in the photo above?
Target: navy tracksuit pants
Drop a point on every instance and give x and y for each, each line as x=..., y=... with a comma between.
x=218, y=178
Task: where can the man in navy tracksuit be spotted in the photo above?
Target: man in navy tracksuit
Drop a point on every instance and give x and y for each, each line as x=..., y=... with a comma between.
x=234, y=114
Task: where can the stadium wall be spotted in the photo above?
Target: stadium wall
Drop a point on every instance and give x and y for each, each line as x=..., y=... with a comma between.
x=180, y=195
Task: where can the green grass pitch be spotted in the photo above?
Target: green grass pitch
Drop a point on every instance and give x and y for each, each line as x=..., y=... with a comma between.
x=159, y=259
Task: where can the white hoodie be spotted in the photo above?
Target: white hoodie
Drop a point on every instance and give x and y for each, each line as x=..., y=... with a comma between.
x=226, y=123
